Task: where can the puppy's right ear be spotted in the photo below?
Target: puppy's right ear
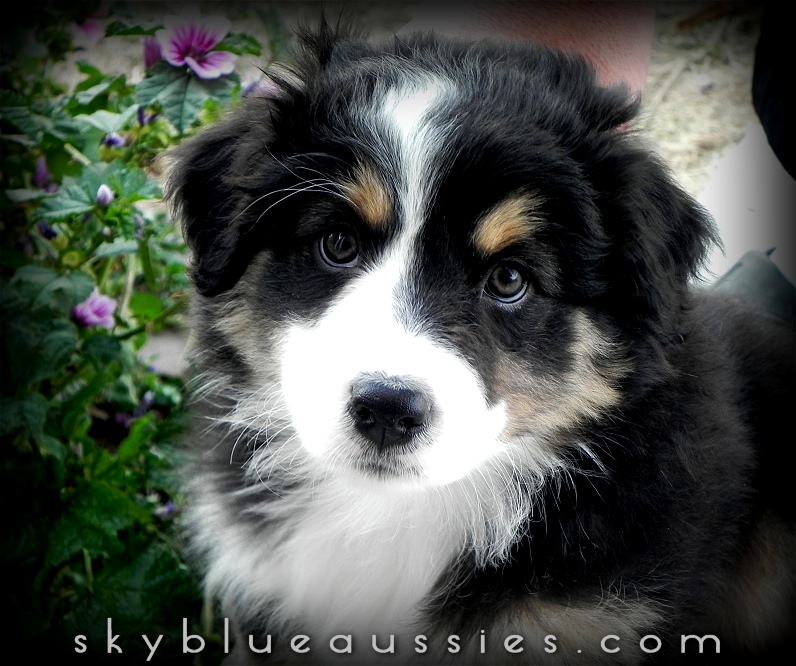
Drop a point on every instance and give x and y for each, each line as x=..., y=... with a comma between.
x=220, y=181
x=215, y=178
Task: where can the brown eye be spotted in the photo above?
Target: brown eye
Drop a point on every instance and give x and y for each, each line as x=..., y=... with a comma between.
x=506, y=283
x=339, y=249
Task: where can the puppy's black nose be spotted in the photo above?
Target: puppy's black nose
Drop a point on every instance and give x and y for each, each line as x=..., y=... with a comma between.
x=388, y=411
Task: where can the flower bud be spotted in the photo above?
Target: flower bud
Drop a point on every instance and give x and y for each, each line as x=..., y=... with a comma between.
x=104, y=195
x=113, y=140
x=46, y=230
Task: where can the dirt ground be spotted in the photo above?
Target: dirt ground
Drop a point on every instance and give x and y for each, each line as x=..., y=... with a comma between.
x=698, y=95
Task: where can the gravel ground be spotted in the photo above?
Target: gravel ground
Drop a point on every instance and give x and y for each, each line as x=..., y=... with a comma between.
x=698, y=95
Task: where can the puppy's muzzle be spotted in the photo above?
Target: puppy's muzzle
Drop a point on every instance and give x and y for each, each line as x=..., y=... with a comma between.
x=389, y=411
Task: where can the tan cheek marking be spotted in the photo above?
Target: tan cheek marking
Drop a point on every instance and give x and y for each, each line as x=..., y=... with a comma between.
x=368, y=195
x=546, y=405
x=507, y=223
x=760, y=611
x=238, y=322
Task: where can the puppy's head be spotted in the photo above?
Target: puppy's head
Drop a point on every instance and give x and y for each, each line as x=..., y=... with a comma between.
x=419, y=261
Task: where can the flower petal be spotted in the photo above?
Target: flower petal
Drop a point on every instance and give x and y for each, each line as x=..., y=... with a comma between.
x=89, y=33
x=190, y=35
x=152, y=52
x=211, y=31
x=41, y=174
x=213, y=64
x=96, y=310
x=171, y=48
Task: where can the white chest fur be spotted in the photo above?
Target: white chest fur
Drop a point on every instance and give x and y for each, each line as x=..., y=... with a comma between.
x=348, y=571
x=338, y=558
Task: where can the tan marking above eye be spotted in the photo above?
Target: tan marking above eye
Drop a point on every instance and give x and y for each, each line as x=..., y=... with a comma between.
x=510, y=221
x=368, y=195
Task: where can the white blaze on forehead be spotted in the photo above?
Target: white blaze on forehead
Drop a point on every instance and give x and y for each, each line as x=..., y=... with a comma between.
x=406, y=114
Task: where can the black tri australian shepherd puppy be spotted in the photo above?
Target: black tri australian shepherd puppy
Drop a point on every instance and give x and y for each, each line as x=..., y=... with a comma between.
x=459, y=401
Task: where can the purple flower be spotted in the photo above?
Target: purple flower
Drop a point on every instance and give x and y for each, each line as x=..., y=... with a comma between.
x=46, y=230
x=41, y=176
x=138, y=229
x=188, y=39
x=113, y=140
x=147, y=400
x=262, y=88
x=151, y=52
x=104, y=195
x=96, y=310
x=166, y=511
x=145, y=117
x=123, y=419
x=88, y=34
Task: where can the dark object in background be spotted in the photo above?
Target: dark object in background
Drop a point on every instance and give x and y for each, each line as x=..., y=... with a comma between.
x=771, y=81
x=757, y=279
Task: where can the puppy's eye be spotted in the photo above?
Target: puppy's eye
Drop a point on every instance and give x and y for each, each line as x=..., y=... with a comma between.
x=339, y=248
x=506, y=283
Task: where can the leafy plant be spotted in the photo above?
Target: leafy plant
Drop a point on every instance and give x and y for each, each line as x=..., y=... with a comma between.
x=91, y=265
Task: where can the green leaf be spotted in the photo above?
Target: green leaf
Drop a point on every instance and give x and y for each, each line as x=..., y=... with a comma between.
x=240, y=43
x=116, y=248
x=69, y=200
x=27, y=541
x=141, y=432
x=23, y=195
x=54, y=351
x=143, y=29
x=102, y=347
x=93, y=75
x=168, y=395
x=95, y=514
x=123, y=393
x=145, y=306
x=11, y=98
x=180, y=94
x=21, y=117
x=148, y=592
x=40, y=122
x=42, y=286
x=87, y=96
x=106, y=121
x=36, y=345
x=49, y=446
x=28, y=414
x=134, y=184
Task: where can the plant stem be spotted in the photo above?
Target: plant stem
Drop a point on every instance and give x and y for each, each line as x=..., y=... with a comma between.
x=146, y=263
x=89, y=571
x=129, y=284
x=140, y=329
